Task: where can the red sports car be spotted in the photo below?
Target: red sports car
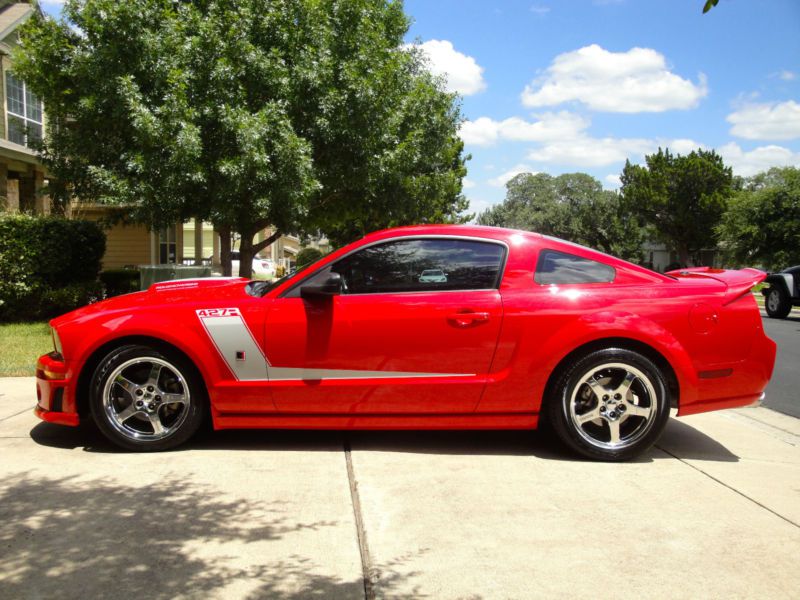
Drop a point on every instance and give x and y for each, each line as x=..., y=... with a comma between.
x=426, y=327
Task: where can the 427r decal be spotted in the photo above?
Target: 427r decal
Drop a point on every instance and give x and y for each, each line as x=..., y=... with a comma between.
x=218, y=312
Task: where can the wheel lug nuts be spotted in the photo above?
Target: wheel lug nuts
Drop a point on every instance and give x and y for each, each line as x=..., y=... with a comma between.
x=139, y=404
x=621, y=408
x=150, y=388
x=605, y=397
x=602, y=409
x=139, y=392
x=158, y=398
x=612, y=414
x=151, y=406
x=617, y=396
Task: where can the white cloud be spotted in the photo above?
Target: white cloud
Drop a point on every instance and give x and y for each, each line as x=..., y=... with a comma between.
x=540, y=9
x=477, y=206
x=549, y=126
x=612, y=182
x=502, y=179
x=787, y=75
x=467, y=183
x=766, y=121
x=587, y=151
x=634, y=81
x=463, y=74
x=681, y=146
x=757, y=160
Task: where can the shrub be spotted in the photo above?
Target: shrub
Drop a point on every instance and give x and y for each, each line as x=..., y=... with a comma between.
x=306, y=256
x=44, y=260
x=120, y=281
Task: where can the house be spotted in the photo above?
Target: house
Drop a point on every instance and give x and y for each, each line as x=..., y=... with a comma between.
x=22, y=176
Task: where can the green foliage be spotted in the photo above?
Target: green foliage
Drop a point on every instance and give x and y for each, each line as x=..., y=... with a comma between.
x=762, y=224
x=307, y=115
x=709, y=5
x=306, y=256
x=573, y=207
x=681, y=198
x=120, y=281
x=47, y=261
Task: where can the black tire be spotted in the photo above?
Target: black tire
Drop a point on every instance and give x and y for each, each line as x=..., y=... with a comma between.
x=145, y=399
x=594, y=386
x=777, y=303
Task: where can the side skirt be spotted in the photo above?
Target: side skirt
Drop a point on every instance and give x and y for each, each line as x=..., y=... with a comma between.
x=302, y=421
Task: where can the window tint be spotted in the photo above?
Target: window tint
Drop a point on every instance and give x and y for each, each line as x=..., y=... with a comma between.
x=422, y=265
x=558, y=267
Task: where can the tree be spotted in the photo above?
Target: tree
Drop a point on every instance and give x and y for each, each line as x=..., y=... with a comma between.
x=306, y=256
x=681, y=198
x=306, y=115
x=762, y=223
x=573, y=206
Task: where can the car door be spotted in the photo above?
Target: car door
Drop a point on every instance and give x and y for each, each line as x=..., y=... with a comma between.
x=394, y=340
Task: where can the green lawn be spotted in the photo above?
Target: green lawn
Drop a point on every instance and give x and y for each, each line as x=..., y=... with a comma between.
x=20, y=345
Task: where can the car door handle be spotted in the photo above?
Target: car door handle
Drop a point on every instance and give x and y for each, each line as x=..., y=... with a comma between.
x=468, y=318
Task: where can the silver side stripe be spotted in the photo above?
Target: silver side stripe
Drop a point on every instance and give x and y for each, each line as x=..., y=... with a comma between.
x=293, y=374
x=231, y=336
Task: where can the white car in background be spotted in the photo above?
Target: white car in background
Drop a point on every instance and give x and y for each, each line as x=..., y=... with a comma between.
x=263, y=268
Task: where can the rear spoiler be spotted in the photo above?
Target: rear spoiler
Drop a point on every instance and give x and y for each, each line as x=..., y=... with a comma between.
x=739, y=282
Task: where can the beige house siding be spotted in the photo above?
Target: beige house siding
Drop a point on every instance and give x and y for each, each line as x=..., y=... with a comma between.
x=126, y=245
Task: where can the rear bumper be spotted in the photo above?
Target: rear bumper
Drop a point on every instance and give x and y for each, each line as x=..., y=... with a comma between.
x=53, y=401
x=738, y=385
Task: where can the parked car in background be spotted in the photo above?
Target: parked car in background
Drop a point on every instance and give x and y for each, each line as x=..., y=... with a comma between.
x=782, y=292
x=263, y=268
x=523, y=328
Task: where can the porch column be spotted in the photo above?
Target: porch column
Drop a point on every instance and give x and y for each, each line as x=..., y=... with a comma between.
x=216, y=260
x=41, y=201
x=4, y=199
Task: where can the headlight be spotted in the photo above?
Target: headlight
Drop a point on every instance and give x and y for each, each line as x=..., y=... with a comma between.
x=56, y=342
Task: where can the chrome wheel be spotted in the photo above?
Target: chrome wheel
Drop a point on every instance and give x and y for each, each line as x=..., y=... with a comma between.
x=146, y=399
x=613, y=406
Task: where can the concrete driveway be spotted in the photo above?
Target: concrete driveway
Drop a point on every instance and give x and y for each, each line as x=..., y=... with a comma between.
x=713, y=511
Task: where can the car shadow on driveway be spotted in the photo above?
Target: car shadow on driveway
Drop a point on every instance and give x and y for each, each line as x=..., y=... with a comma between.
x=679, y=440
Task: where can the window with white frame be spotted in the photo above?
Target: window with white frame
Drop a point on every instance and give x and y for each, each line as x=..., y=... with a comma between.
x=24, y=112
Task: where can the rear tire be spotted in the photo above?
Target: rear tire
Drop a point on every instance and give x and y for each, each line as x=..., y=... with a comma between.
x=610, y=405
x=777, y=305
x=145, y=399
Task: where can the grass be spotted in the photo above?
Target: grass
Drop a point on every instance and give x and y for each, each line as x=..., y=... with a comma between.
x=20, y=345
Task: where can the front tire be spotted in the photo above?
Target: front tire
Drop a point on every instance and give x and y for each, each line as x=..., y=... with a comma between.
x=777, y=305
x=610, y=405
x=145, y=399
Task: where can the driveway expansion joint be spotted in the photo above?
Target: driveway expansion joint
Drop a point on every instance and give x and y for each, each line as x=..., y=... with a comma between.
x=733, y=489
x=369, y=573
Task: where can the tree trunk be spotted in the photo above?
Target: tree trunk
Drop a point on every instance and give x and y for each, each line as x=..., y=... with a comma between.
x=683, y=255
x=248, y=249
x=225, y=249
x=246, y=256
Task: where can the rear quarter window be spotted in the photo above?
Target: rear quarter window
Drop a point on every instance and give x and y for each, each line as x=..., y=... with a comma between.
x=554, y=267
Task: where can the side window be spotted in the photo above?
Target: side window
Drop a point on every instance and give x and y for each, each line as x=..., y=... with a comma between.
x=417, y=265
x=559, y=267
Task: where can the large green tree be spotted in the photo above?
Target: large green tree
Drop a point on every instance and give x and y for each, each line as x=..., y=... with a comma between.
x=573, y=206
x=762, y=224
x=681, y=198
x=307, y=115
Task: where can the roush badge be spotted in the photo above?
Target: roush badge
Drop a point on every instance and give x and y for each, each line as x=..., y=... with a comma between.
x=204, y=313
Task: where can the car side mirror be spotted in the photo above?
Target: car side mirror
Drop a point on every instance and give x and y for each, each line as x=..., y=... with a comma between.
x=332, y=286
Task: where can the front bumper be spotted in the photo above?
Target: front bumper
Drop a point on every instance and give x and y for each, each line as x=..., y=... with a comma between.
x=53, y=401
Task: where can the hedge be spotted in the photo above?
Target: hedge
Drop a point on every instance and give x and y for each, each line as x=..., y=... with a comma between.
x=48, y=265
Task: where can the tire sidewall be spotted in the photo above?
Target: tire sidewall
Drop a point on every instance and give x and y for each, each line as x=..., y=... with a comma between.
x=784, y=307
x=192, y=380
x=559, y=410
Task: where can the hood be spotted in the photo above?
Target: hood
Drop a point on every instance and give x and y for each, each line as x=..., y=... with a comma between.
x=163, y=292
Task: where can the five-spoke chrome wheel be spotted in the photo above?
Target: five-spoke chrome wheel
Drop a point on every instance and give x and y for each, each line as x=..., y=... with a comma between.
x=146, y=398
x=614, y=405
x=610, y=404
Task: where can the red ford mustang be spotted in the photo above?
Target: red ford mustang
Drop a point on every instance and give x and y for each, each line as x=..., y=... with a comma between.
x=427, y=327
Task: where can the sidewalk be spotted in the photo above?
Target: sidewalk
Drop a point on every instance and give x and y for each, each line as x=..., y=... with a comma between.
x=713, y=511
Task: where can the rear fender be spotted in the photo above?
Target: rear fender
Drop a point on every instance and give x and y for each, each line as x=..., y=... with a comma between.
x=598, y=326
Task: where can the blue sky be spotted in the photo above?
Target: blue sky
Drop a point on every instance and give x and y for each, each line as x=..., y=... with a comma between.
x=580, y=85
